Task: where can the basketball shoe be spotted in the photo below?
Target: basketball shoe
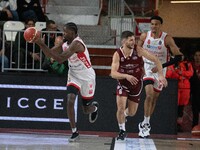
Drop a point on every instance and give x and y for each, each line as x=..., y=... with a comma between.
x=94, y=115
x=144, y=131
x=74, y=136
x=122, y=135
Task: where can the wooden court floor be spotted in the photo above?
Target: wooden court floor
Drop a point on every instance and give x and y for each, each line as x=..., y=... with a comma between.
x=27, y=140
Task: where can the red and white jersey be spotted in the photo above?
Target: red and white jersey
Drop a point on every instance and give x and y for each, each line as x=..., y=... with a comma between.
x=156, y=47
x=79, y=63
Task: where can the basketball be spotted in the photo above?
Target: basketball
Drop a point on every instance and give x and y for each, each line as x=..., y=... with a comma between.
x=31, y=34
x=196, y=130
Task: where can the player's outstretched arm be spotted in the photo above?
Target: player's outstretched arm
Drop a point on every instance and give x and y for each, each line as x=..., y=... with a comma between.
x=31, y=35
x=178, y=56
x=46, y=50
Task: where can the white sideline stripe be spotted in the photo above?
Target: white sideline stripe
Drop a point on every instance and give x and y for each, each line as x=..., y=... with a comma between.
x=102, y=67
x=135, y=144
x=196, y=131
x=33, y=119
x=31, y=139
x=189, y=139
x=35, y=87
x=102, y=46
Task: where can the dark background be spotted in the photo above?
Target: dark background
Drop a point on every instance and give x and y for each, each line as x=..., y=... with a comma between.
x=163, y=120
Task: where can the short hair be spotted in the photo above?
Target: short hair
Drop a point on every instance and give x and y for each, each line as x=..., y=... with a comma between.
x=29, y=19
x=126, y=34
x=48, y=22
x=72, y=26
x=157, y=18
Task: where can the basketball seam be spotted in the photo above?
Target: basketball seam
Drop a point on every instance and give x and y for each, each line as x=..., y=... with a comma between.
x=34, y=35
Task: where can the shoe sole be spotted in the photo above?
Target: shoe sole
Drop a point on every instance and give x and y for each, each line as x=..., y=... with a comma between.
x=90, y=120
x=73, y=140
x=141, y=135
x=120, y=140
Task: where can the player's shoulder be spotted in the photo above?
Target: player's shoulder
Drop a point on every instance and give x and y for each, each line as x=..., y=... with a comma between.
x=168, y=38
x=117, y=53
x=144, y=34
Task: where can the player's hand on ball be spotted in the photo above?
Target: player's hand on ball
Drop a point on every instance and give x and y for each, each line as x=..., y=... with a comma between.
x=31, y=34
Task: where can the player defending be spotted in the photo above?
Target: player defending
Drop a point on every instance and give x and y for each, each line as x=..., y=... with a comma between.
x=81, y=75
x=128, y=68
x=157, y=43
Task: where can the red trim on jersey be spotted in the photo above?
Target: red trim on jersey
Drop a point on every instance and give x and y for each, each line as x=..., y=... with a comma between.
x=157, y=90
x=72, y=84
x=88, y=98
x=84, y=59
x=160, y=34
x=165, y=42
x=168, y=49
x=148, y=78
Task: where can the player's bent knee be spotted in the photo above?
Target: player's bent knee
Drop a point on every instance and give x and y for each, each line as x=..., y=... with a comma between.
x=132, y=113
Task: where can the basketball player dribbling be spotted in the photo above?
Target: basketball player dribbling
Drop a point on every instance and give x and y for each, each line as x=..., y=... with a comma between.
x=157, y=43
x=81, y=75
x=128, y=68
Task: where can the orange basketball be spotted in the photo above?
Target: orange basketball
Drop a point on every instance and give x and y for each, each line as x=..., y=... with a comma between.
x=196, y=130
x=31, y=34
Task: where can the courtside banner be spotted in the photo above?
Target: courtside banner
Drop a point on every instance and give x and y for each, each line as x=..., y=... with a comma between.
x=27, y=100
x=38, y=101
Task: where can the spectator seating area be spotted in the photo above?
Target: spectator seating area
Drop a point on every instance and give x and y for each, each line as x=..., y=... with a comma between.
x=98, y=36
x=101, y=55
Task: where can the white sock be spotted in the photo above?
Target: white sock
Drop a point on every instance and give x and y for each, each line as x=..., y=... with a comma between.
x=122, y=126
x=146, y=120
x=74, y=130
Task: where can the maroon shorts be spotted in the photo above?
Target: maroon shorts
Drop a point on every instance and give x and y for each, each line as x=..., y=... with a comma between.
x=132, y=92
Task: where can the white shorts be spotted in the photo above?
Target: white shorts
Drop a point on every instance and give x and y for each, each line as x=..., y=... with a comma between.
x=149, y=75
x=86, y=86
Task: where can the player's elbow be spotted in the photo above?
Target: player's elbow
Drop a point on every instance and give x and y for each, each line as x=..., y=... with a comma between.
x=112, y=74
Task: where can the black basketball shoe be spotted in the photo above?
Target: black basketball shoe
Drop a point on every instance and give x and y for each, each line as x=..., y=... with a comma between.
x=122, y=135
x=94, y=115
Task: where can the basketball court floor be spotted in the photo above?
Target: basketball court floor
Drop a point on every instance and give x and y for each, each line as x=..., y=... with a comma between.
x=27, y=140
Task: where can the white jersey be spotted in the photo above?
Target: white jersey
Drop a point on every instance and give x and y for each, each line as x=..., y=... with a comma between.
x=79, y=63
x=81, y=74
x=158, y=48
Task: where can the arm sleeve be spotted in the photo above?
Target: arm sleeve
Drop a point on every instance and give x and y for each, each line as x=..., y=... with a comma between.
x=174, y=60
